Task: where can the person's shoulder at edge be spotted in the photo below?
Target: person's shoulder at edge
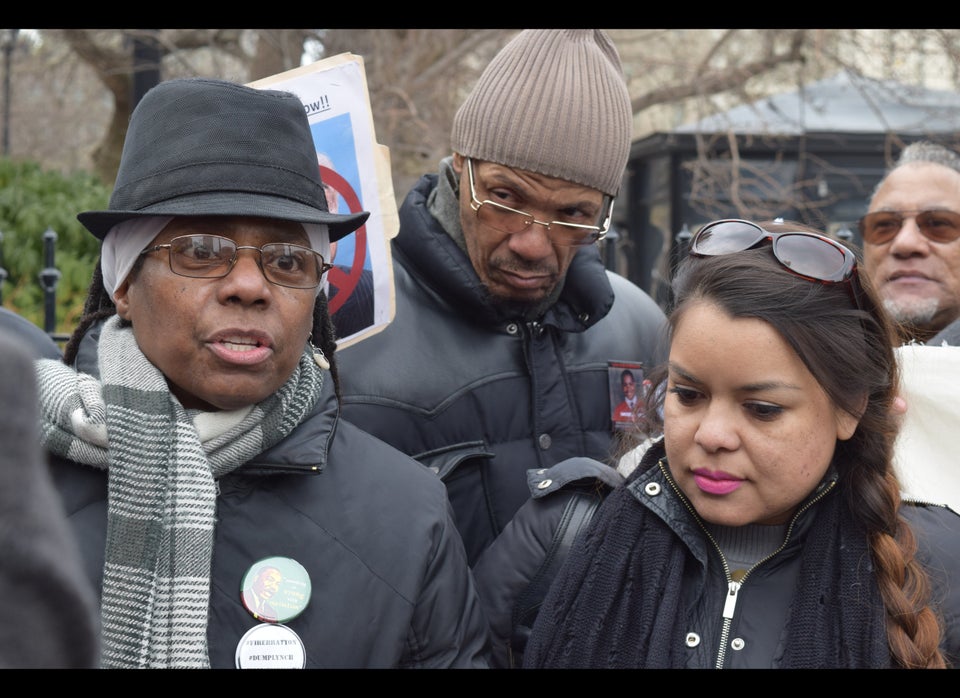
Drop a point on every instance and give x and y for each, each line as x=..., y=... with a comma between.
x=39, y=342
x=937, y=529
x=50, y=619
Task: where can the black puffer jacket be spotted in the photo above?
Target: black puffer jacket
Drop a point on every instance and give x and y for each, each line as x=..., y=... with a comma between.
x=755, y=633
x=515, y=571
x=480, y=397
x=390, y=584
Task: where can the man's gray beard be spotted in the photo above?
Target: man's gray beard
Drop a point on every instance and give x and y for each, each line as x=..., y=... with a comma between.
x=916, y=312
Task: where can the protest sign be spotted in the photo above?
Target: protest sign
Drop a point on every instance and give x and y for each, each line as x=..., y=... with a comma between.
x=355, y=170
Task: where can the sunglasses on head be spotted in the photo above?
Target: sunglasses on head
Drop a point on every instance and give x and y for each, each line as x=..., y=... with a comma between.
x=938, y=225
x=811, y=256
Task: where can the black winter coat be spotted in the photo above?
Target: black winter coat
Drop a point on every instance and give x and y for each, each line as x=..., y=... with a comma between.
x=756, y=629
x=390, y=584
x=515, y=571
x=479, y=397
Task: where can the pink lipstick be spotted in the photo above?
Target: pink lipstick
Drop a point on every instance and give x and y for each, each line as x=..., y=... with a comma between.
x=716, y=482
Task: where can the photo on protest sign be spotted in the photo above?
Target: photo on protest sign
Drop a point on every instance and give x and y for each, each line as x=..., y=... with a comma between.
x=355, y=170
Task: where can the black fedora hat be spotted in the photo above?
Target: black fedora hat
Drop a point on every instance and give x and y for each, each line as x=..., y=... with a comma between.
x=203, y=147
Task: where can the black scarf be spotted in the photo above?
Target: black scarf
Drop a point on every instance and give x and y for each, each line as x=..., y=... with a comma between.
x=616, y=601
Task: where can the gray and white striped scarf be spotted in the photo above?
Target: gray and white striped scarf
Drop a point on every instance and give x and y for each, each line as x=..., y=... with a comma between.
x=163, y=461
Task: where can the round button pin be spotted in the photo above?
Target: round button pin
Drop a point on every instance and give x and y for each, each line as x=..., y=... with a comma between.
x=270, y=646
x=275, y=589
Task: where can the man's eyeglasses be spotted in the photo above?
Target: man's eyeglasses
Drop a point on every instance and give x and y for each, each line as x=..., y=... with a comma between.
x=509, y=220
x=938, y=225
x=213, y=257
x=809, y=255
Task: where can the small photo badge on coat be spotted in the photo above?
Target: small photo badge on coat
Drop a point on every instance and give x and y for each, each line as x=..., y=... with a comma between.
x=628, y=389
x=270, y=646
x=275, y=589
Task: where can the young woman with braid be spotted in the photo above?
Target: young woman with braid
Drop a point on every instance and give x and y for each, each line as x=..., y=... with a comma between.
x=765, y=528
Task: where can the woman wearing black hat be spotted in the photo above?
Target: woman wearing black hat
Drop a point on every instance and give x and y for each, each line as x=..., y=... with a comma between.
x=198, y=387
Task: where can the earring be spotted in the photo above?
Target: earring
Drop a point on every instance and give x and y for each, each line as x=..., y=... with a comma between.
x=320, y=358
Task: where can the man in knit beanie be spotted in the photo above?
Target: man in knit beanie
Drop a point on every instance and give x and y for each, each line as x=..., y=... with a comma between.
x=507, y=322
x=554, y=103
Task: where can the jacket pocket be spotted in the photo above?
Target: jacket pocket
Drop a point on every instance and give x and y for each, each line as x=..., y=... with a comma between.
x=461, y=468
x=444, y=461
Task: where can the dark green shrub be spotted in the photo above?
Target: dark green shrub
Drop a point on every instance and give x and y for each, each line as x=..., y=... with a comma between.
x=33, y=201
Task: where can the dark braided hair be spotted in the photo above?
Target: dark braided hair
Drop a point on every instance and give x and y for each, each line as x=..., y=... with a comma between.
x=99, y=306
x=849, y=349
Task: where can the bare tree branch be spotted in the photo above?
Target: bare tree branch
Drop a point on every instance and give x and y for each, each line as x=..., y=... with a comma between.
x=713, y=81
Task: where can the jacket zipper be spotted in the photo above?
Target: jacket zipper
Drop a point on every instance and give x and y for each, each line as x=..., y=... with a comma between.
x=729, y=606
x=733, y=587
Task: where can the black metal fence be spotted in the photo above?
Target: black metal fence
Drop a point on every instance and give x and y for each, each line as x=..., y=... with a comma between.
x=49, y=278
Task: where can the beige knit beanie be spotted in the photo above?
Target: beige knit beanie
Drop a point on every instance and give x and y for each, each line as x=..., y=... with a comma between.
x=554, y=102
